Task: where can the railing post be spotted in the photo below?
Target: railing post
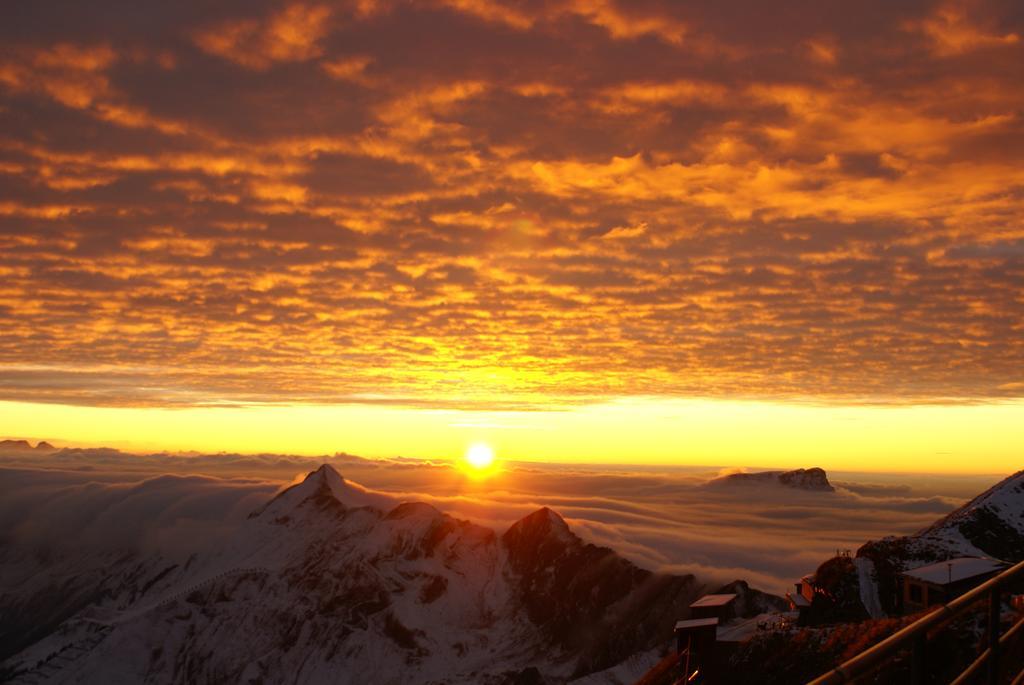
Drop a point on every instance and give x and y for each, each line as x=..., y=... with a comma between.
x=994, y=609
x=919, y=658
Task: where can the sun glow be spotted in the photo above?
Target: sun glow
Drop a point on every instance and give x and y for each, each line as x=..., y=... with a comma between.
x=950, y=438
x=479, y=460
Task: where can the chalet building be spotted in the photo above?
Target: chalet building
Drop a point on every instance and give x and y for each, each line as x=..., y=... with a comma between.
x=944, y=581
x=801, y=599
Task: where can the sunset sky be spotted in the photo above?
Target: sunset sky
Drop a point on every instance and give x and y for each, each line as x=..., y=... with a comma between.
x=728, y=233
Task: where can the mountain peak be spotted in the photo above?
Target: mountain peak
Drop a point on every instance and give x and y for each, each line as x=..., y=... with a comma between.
x=551, y=518
x=540, y=526
x=327, y=488
x=325, y=481
x=322, y=486
x=328, y=475
x=813, y=478
x=415, y=510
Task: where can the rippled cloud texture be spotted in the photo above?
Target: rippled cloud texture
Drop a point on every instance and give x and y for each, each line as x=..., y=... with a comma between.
x=510, y=204
x=664, y=519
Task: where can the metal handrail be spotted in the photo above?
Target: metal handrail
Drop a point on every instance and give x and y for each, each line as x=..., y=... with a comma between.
x=915, y=635
x=972, y=670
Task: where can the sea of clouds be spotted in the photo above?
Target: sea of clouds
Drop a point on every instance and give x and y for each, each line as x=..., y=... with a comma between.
x=662, y=518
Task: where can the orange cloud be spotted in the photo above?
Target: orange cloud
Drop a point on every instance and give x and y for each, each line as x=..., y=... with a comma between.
x=290, y=35
x=822, y=50
x=349, y=69
x=76, y=77
x=462, y=204
x=493, y=12
x=626, y=22
x=952, y=32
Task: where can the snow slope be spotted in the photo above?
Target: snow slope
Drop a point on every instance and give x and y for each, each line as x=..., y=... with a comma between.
x=868, y=587
x=990, y=525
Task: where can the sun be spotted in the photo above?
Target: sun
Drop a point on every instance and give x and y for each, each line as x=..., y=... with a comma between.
x=480, y=456
x=479, y=459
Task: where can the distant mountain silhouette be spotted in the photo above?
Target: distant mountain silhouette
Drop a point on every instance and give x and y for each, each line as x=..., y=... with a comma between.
x=25, y=446
x=813, y=479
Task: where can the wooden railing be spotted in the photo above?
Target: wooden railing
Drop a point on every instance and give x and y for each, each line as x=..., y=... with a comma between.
x=914, y=639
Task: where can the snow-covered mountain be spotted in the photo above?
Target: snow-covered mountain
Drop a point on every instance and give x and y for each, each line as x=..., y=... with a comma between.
x=330, y=583
x=991, y=525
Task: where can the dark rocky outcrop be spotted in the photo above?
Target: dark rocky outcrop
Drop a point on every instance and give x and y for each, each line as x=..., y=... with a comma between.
x=813, y=479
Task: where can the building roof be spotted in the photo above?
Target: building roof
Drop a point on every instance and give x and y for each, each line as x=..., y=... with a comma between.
x=954, y=570
x=696, y=623
x=714, y=600
x=798, y=599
